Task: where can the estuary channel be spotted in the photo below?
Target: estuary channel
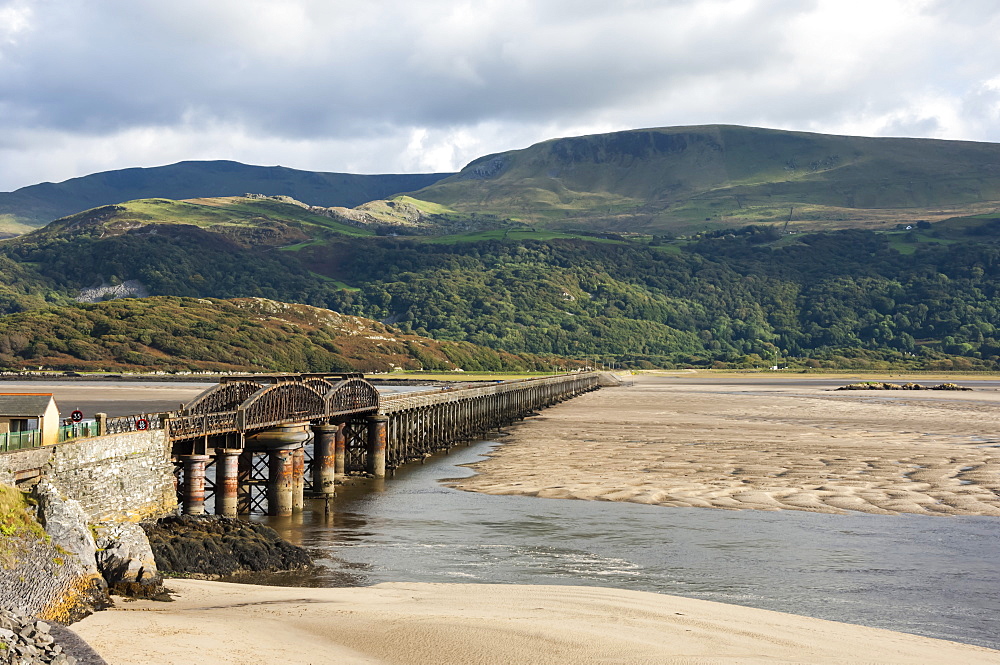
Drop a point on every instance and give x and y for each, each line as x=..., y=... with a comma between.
x=932, y=576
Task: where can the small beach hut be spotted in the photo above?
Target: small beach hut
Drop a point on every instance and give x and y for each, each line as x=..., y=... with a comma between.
x=24, y=412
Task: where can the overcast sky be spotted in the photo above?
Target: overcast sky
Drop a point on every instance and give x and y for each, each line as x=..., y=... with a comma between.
x=400, y=86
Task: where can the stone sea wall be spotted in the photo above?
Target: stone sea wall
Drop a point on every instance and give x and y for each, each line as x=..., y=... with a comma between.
x=115, y=478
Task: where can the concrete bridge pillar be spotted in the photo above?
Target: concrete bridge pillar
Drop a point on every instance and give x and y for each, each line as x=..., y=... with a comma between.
x=377, y=426
x=227, y=481
x=325, y=458
x=194, y=484
x=281, y=443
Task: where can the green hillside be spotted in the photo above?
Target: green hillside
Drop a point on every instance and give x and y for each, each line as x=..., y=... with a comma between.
x=925, y=297
x=686, y=179
x=37, y=205
x=247, y=220
x=169, y=334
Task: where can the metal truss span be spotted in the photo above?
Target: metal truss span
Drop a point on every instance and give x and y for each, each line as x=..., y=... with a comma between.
x=238, y=405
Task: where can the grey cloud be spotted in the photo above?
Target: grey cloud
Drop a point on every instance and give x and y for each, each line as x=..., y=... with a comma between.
x=236, y=77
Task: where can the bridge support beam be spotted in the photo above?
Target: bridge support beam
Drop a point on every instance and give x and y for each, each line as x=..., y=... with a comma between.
x=377, y=427
x=325, y=458
x=227, y=481
x=298, y=479
x=194, y=484
x=280, y=483
x=340, y=451
x=243, y=490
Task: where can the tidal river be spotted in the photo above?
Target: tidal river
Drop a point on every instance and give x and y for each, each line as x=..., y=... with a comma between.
x=933, y=576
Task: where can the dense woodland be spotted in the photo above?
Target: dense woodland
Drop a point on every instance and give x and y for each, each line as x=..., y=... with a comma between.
x=197, y=334
x=755, y=297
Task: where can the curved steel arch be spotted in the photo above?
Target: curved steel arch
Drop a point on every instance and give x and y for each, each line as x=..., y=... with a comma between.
x=322, y=386
x=351, y=396
x=278, y=404
x=222, y=397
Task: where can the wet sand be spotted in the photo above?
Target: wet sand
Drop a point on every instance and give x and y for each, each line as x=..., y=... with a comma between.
x=753, y=444
x=444, y=624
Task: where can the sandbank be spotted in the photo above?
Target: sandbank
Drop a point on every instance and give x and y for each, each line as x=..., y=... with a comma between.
x=442, y=624
x=749, y=443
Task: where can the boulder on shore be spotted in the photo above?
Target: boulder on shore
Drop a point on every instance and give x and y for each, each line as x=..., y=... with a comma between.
x=126, y=562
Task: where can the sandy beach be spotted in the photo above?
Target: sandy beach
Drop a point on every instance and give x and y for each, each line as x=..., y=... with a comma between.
x=443, y=624
x=749, y=444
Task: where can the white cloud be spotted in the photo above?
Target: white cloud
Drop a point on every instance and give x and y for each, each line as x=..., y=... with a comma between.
x=390, y=86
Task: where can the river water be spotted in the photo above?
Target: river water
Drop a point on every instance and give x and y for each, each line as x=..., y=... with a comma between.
x=932, y=576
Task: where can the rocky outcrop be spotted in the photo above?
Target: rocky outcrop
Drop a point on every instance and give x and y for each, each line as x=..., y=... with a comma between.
x=126, y=562
x=130, y=288
x=212, y=546
x=67, y=525
x=42, y=574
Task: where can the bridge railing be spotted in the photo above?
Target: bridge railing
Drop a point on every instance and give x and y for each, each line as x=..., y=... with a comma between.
x=136, y=423
x=402, y=401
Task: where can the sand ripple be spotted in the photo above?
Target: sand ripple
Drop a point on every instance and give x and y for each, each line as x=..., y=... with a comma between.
x=742, y=447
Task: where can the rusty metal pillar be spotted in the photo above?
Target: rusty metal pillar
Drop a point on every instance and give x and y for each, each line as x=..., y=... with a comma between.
x=194, y=484
x=227, y=481
x=324, y=458
x=280, y=443
x=376, y=445
x=340, y=451
x=298, y=479
x=280, y=483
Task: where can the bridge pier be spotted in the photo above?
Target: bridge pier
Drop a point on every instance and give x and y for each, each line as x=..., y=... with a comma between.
x=285, y=482
x=194, y=484
x=279, y=483
x=340, y=451
x=377, y=426
x=298, y=479
x=227, y=481
x=325, y=458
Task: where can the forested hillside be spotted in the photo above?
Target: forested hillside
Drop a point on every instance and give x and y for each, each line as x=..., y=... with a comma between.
x=184, y=334
x=925, y=297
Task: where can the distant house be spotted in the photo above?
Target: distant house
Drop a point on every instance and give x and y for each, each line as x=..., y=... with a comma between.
x=23, y=412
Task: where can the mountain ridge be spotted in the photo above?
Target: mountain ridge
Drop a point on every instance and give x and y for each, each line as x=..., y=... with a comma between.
x=36, y=205
x=712, y=176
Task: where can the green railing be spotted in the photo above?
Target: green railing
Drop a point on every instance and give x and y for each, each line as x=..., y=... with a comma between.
x=31, y=438
x=78, y=431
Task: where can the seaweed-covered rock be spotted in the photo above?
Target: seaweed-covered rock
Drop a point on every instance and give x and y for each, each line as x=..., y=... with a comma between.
x=884, y=385
x=212, y=546
x=126, y=561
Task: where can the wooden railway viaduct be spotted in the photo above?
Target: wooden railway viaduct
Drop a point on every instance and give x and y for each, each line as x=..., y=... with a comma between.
x=273, y=440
